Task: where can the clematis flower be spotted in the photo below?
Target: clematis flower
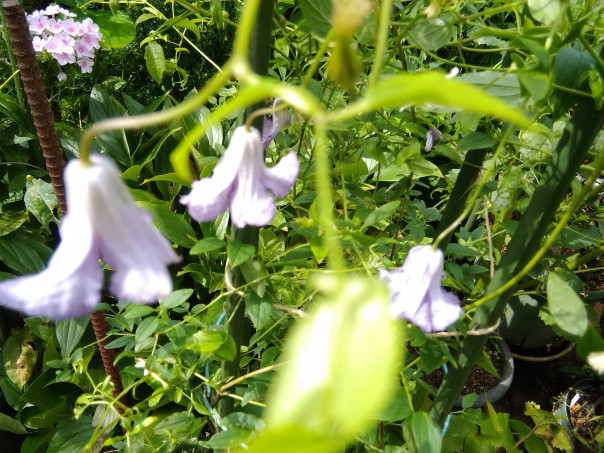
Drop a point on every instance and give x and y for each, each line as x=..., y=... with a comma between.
x=271, y=128
x=416, y=292
x=242, y=181
x=102, y=222
x=431, y=135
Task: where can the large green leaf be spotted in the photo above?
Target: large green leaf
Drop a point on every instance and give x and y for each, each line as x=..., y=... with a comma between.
x=118, y=29
x=11, y=221
x=501, y=85
x=113, y=143
x=11, y=425
x=22, y=253
x=422, y=433
x=155, y=60
x=171, y=224
x=565, y=306
x=547, y=12
x=434, y=88
x=431, y=34
x=72, y=436
x=19, y=356
x=318, y=15
x=41, y=201
x=70, y=332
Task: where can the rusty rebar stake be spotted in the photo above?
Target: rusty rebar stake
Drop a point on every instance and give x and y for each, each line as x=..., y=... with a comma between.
x=53, y=155
x=36, y=95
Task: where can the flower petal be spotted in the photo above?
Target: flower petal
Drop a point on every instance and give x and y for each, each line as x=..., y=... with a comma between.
x=438, y=311
x=282, y=177
x=128, y=241
x=71, y=285
x=205, y=202
x=209, y=197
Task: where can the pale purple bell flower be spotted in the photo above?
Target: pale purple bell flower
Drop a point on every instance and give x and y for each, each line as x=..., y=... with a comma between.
x=416, y=291
x=242, y=181
x=102, y=223
x=431, y=135
x=271, y=128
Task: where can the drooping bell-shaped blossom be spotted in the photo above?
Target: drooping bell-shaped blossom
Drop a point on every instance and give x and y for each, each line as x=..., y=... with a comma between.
x=271, y=128
x=416, y=291
x=242, y=181
x=102, y=223
x=431, y=135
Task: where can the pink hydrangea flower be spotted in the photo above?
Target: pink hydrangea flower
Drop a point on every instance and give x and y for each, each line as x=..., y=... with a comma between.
x=102, y=223
x=64, y=58
x=242, y=181
x=416, y=291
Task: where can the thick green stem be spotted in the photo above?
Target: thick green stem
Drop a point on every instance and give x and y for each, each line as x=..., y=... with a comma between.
x=468, y=174
x=578, y=137
x=259, y=53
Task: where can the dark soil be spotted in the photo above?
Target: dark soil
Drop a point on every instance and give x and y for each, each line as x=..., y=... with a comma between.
x=479, y=381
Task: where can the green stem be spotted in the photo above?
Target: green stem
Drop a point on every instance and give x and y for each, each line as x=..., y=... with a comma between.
x=572, y=148
x=468, y=174
x=257, y=17
x=380, y=42
x=324, y=198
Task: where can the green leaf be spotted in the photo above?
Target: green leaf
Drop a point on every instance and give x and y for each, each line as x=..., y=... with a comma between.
x=422, y=167
x=113, y=143
x=19, y=357
x=318, y=248
x=41, y=201
x=135, y=311
x=318, y=15
x=11, y=425
x=206, y=245
x=69, y=333
x=208, y=340
x=118, y=29
x=216, y=9
x=171, y=224
x=382, y=213
x=254, y=275
x=566, y=307
x=10, y=391
x=23, y=254
x=503, y=86
x=569, y=68
x=435, y=88
x=535, y=82
x=259, y=309
x=177, y=298
x=227, y=350
x=431, y=34
x=11, y=221
x=146, y=328
x=422, y=433
x=475, y=140
x=233, y=437
x=548, y=12
x=72, y=436
x=155, y=61
x=238, y=252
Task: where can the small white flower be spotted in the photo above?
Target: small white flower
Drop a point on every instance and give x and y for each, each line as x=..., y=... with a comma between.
x=102, y=222
x=61, y=76
x=85, y=64
x=242, y=181
x=416, y=292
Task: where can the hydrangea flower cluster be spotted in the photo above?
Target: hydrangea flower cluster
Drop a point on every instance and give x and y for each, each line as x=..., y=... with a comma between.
x=66, y=40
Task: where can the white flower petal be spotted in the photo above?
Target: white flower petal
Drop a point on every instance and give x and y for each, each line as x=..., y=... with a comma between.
x=282, y=177
x=71, y=285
